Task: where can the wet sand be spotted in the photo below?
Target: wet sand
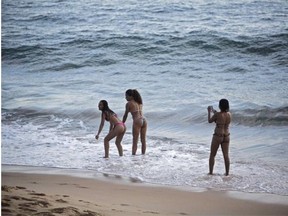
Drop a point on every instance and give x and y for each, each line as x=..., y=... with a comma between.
x=56, y=194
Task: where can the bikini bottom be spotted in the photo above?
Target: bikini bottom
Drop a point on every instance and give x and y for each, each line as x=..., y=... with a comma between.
x=222, y=135
x=119, y=123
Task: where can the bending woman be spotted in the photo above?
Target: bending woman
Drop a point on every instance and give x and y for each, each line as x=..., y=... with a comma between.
x=117, y=128
x=221, y=134
x=134, y=106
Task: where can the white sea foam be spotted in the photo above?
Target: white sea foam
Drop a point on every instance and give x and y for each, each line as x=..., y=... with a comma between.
x=167, y=161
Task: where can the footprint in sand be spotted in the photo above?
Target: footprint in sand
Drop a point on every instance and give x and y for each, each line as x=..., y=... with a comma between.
x=4, y=211
x=61, y=201
x=84, y=201
x=21, y=188
x=150, y=212
x=66, y=210
x=5, y=203
x=124, y=204
x=38, y=194
x=16, y=197
x=63, y=184
x=34, y=203
x=6, y=188
x=27, y=209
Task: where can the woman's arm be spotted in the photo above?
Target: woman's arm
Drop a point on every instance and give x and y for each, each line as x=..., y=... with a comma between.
x=211, y=119
x=126, y=113
x=100, y=126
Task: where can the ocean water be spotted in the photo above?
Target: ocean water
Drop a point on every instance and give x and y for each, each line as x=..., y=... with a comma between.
x=59, y=58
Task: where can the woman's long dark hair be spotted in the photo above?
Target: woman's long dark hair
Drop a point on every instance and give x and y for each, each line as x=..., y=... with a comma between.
x=135, y=94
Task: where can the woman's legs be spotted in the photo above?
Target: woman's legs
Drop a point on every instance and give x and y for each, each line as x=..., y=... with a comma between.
x=225, y=151
x=139, y=128
x=117, y=131
x=143, y=136
x=136, y=132
x=109, y=136
x=213, y=151
x=119, y=140
x=216, y=141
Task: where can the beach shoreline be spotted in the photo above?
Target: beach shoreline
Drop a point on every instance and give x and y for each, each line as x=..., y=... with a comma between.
x=37, y=190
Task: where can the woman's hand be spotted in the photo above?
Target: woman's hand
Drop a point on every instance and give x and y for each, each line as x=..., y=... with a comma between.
x=209, y=108
x=97, y=137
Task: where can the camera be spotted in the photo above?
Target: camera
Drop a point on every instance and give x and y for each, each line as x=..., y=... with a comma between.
x=211, y=109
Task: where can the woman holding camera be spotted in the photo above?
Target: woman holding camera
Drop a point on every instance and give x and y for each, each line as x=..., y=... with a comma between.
x=221, y=134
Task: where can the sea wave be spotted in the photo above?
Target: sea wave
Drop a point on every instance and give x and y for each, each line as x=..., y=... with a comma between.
x=139, y=46
x=26, y=52
x=263, y=117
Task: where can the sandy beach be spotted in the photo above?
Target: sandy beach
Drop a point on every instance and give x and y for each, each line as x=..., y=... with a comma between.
x=54, y=194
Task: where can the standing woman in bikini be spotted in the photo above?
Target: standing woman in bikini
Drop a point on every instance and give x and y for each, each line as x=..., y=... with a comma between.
x=134, y=106
x=117, y=128
x=221, y=134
